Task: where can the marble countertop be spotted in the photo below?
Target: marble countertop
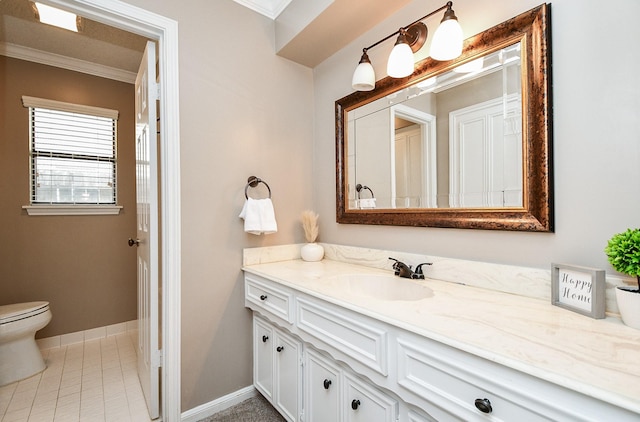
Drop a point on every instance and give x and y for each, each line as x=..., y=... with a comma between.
x=599, y=358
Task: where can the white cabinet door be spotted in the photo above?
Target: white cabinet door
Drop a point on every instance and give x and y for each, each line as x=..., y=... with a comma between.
x=263, y=358
x=277, y=368
x=288, y=375
x=322, y=388
x=363, y=403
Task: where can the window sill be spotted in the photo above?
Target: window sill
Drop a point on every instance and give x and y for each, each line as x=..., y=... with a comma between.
x=72, y=209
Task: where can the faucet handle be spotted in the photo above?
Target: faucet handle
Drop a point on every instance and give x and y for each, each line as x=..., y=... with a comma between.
x=401, y=269
x=419, y=268
x=396, y=265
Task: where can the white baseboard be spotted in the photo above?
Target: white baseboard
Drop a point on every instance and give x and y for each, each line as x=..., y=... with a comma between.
x=86, y=335
x=218, y=405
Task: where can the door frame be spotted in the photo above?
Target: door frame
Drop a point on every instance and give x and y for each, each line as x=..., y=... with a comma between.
x=165, y=32
x=428, y=128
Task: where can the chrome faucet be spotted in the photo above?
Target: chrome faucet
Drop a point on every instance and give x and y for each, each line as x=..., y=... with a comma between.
x=403, y=270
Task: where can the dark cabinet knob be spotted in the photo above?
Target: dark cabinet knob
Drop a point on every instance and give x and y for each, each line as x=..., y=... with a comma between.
x=280, y=348
x=326, y=384
x=265, y=338
x=263, y=297
x=483, y=405
x=355, y=404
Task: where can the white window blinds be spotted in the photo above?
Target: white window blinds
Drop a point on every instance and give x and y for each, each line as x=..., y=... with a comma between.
x=73, y=153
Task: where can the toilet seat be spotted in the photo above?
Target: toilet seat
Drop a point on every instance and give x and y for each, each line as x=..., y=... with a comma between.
x=18, y=311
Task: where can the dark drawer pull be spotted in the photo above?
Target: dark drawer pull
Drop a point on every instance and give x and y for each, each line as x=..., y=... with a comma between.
x=326, y=384
x=355, y=404
x=263, y=297
x=483, y=405
x=280, y=348
x=265, y=338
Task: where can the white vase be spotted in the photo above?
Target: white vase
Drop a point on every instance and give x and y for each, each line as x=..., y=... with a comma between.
x=312, y=252
x=629, y=306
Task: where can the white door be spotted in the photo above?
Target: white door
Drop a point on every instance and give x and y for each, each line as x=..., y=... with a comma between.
x=486, y=154
x=148, y=349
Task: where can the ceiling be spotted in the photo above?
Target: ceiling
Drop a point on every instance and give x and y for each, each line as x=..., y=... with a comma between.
x=109, y=52
x=23, y=36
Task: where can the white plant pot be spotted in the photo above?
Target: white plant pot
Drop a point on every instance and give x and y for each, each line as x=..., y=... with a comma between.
x=629, y=306
x=312, y=252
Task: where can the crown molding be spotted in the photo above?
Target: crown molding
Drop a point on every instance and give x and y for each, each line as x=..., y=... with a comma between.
x=25, y=53
x=268, y=8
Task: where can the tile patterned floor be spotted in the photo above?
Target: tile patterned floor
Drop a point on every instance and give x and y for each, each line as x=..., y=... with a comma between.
x=95, y=381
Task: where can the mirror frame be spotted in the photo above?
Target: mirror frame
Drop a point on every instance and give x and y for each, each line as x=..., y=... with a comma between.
x=532, y=29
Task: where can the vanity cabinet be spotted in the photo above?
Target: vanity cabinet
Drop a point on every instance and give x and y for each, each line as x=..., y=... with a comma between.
x=358, y=368
x=277, y=371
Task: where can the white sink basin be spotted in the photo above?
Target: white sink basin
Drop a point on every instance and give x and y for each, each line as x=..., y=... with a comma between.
x=383, y=287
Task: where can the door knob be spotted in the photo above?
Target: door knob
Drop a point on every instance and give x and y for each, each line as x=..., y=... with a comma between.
x=133, y=242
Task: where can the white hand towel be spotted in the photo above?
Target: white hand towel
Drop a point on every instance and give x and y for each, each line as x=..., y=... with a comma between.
x=259, y=216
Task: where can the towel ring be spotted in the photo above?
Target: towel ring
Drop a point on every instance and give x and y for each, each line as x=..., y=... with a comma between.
x=360, y=188
x=253, y=181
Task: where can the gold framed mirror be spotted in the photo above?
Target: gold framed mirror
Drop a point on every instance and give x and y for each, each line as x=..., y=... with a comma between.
x=459, y=144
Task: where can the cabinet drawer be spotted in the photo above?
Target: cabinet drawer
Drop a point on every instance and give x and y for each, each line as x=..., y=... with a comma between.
x=452, y=387
x=363, y=403
x=262, y=295
x=345, y=331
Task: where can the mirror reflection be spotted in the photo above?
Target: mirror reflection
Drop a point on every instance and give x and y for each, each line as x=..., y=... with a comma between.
x=453, y=140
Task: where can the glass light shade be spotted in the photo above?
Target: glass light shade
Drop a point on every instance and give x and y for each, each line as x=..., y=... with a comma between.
x=56, y=17
x=447, y=41
x=400, y=63
x=364, y=77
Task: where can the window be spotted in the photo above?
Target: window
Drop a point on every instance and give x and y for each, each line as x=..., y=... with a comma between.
x=72, y=154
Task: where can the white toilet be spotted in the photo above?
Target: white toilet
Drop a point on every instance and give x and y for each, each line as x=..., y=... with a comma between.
x=20, y=356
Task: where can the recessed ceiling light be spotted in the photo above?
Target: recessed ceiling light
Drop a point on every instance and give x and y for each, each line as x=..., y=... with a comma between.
x=56, y=17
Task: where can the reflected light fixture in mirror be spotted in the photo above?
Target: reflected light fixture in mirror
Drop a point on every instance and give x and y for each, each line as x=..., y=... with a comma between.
x=446, y=45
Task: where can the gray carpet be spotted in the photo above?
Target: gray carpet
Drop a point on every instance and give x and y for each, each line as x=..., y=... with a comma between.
x=256, y=409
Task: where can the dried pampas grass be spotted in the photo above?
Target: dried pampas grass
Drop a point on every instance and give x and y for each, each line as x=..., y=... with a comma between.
x=310, y=225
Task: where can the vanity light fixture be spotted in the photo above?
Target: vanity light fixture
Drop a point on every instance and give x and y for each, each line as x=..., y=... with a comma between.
x=57, y=17
x=446, y=45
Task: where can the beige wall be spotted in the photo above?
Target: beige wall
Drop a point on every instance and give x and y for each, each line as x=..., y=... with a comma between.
x=80, y=264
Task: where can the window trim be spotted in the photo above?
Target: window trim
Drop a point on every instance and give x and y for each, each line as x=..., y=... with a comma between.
x=71, y=209
x=70, y=107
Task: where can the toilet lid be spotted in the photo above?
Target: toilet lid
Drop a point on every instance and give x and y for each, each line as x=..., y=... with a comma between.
x=17, y=311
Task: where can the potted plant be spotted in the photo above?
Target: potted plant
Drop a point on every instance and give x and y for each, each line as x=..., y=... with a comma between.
x=311, y=251
x=623, y=252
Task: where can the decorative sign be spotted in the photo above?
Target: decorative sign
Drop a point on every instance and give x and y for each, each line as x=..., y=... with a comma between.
x=578, y=289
